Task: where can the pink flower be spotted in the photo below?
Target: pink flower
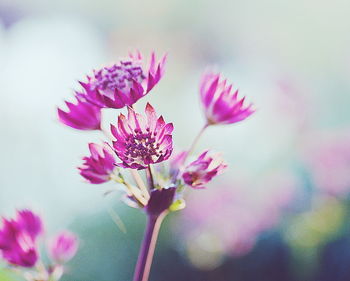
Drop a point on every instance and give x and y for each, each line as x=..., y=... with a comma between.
x=327, y=155
x=18, y=239
x=63, y=247
x=123, y=83
x=141, y=141
x=98, y=167
x=202, y=170
x=238, y=214
x=82, y=115
x=221, y=104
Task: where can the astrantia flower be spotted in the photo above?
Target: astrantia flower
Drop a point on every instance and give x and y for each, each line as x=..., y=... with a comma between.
x=98, y=167
x=141, y=141
x=123, y=83
x=82, y=115
x=220, y=102
x=202, y=170
x=18, y=239
x=19, y=247
x=63, y=247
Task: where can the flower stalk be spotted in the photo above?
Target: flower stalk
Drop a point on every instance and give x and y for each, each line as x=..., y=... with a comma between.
x=139, y=182
x=150, y=177
x=144, y=261
x=195, y=141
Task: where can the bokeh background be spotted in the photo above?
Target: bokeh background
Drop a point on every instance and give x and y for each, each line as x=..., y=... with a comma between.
x=282, y=210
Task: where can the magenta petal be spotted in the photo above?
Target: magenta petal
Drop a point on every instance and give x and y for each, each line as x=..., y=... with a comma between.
x=209, y=94
x=82, y=115
x=151, y=117
x=30, y=222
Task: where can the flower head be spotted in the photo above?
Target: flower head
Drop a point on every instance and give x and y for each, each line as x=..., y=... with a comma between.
x=141, y=141
x=63, y=247
x=18, y=239
x=202, y=170
x=81, y=115
x=98, y=167
x=221, y=103
x=123, y=83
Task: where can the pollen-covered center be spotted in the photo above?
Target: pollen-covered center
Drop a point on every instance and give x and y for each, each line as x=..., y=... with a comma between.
x=142, y=148
x=118, y=76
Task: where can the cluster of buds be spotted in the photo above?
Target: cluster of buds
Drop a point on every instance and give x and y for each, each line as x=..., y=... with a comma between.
x=143, y=141
x=19, y=246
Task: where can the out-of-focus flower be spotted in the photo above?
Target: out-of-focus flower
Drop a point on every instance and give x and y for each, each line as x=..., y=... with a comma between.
x=238, y=213
x=142, y=141
x=98, y=167
x=81, y=115
x=18, y=246
x=123, y=83
x=63, y=247
x=220, y=102
x=327, y=155
x=202, y=170
x=18, y=238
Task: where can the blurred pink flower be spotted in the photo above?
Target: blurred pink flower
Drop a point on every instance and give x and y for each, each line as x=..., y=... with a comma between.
x=203, y=169
x=123, y=83
x=82, y=115
x=98, y=167
x=142, y=141
x=63, y=247
x=327, y=155
x=220, y=102
x=237, y=213
x=18, y=239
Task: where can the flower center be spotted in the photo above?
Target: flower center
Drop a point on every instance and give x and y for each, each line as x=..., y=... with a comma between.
x=142, y=148
x=118, y=76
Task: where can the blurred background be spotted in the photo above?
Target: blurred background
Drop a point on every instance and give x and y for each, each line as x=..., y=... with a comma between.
x=281, y=212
